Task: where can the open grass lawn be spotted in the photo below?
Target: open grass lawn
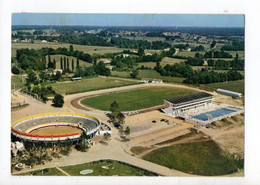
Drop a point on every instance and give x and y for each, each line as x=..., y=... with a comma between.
x=115, y=168
x=45, y=172
x=237, y=86
x=17, y=82
x=138, y=149
x=135, y=99
x=89, y=84
x=202, y=158
x=57, y=58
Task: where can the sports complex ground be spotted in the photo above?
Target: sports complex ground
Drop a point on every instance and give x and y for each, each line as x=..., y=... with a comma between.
x=145, y=135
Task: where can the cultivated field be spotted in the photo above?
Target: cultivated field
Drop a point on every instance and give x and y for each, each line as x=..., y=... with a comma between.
x=189, y=53
x=122, y=74
x=86, y=49
x=89, y=84
x=135, y=99
x=57, y=58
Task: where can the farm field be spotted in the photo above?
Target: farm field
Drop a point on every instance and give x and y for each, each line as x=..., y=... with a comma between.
x=135, y=99
x=189, y=53
x=57, y=58
x=90, y=84
x=201, y=158
x=170, y=61
x=155, y=74
x=122, y=74
x=237, y=86
x=87, y=49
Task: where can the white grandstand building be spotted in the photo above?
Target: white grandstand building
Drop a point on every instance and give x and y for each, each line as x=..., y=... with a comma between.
x=179, y=105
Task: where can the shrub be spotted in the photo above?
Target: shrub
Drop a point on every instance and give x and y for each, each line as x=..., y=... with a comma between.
x=15, y=70
x=58, y=100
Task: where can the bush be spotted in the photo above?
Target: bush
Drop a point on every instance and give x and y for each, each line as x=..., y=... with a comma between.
x=15, y=70
x=58, y=100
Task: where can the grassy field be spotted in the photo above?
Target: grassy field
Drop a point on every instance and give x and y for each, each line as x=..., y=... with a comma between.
x=122, y=74
x=17, y=80
x=201, y=158
x=86, y=49
x=155, y=74
x=114, y=168
x=170, y=61
x=135, y=99
x=57, y=58
x=89, y=84
x=237, y=86
x=189, y=53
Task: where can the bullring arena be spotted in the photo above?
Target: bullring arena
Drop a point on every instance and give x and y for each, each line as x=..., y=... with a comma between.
x=53, y=127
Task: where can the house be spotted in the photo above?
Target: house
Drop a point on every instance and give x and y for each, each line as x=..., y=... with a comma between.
x=167, y=49
x=151, y=80
x=125, y=55
x=105, y=60
x=44, y=41
x=56, y=70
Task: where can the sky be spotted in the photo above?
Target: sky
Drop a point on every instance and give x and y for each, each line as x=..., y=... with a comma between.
x=179, y=20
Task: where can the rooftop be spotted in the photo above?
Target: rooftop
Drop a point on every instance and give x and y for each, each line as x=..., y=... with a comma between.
x=188, y=98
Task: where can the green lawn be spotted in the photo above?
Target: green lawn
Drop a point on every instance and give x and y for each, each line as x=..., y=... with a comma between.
x=237, y=86
x=45, y=172
x=135, y=99
x=202, y=158
x=115, y=168
x=90, y=84
x=17, y=81
x=170, y=61
x=122, y=74
x=189, y=53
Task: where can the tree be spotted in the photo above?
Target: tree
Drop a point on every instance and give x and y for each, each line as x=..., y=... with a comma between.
x=121, y=118
x=134, y=73
x=141, y=51
x=61, y=63
x=54, y=64
x=213, y=44
x=114, y=108
x=15, y=70
x=77, y=62
x=64, y=65
x=58, y=100
x=68, y=65
x=127, y=130
x=72, y=65
x=31, y=78
x=71, y=49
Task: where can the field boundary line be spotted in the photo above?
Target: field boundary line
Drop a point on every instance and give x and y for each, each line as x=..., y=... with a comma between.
x=58, y=168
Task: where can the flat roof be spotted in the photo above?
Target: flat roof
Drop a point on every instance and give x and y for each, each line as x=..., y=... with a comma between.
x=188, y=98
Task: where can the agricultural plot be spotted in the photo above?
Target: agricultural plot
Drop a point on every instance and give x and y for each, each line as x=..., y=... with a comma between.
x=89, y=84
x=58, y=57
x=135, y=99
x=86, y=49
x=121, y=74
x=189, y=53
x=170, y=61
x=201, y=158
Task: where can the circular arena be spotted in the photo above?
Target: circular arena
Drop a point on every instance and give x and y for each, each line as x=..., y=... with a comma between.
x=53, y=127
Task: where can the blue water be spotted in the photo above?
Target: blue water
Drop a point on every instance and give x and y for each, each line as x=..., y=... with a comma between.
x=213, y=114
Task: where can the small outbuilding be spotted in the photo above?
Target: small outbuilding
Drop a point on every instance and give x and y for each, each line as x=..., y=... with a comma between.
x=230, y=93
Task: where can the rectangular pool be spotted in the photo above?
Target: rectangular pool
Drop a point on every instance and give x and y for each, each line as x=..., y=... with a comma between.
x=215, y=113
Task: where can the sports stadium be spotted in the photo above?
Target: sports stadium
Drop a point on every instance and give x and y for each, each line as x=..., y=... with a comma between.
x=54, y=127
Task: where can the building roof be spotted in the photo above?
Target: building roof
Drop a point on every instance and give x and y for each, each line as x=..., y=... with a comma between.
x=188, y=98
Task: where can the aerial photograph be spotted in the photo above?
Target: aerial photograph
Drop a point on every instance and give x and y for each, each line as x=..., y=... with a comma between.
x=127, y=95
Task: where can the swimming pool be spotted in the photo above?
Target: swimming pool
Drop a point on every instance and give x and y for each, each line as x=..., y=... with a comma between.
x=215, y=113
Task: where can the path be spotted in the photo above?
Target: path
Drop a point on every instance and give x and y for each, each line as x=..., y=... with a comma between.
x=58, y=168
